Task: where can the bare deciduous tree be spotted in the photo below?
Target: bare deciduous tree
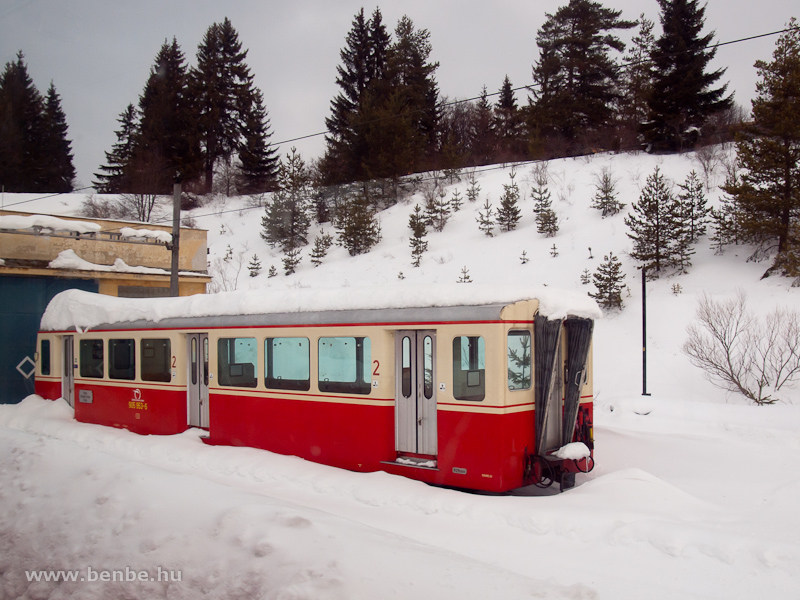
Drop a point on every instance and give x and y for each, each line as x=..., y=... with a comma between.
x=740, y=353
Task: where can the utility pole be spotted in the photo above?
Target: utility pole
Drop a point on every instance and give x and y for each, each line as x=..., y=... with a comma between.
x=176, y=238
x=644, y=331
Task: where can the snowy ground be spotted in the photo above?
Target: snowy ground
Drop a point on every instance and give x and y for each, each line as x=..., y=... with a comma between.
x=694, y=494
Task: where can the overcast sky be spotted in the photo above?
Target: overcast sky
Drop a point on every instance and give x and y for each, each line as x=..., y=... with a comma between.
x=98, y=53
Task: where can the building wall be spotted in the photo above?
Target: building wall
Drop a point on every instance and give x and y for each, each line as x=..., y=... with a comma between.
x=107, y=245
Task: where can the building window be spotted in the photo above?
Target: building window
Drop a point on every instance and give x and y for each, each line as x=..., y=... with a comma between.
x=344, y=364
x=519, y=360
x=287, y=364
x=121, y=359
x=91, y=355
x=469, y=368
x=44, y=353
x=156, y=358
x=236, y=362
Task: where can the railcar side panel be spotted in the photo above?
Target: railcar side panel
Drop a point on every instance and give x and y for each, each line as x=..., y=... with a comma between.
x=159, y=411
x=353, y=436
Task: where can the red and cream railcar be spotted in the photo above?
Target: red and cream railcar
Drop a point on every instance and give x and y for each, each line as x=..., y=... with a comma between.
x=480, y=396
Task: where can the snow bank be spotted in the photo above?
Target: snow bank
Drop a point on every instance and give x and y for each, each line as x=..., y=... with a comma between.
x=14, y=222
x=74, y=308
x=161, y=236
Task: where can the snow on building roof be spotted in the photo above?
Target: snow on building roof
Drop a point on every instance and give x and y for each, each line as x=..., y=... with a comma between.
x=84, y=310
x=17, y=222
x=68, y=259
x=161, y=236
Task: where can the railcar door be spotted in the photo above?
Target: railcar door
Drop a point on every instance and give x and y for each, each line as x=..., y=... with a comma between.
x=68, y=370
x=415, y=392
x=197, y=379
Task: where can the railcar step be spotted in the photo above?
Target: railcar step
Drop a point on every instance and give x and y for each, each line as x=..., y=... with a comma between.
x=413, y=461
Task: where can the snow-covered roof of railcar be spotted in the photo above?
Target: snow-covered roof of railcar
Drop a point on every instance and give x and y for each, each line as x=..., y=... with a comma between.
x=84, y=310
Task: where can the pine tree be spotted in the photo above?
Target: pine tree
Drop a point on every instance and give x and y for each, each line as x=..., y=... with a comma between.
x=474, y=188
x=767, y=193
x=694, y=208
x=258, y=159
x=509, y=214
x=273, y=272
x=540, y=192
x=636, y=81
x=362, y=72
x=547, y=222
x=419, y=245
x=291, y=258
x=482, y=136
x=254, y=266
x=546, y=218
x=21, y=129
x=605, y=198
x=507, y=123
x=287, y=219
x=322, y=244
x=586, y=277
x=357, y=225
x=725, y=222
x=486, y=219
x=575, y=76
x=651, y=221
x=608, y=282
x=412, y=76
x=682, y=97
x=222, y=88
x=168, y=145
x=114, y=176
x=456, y=201
x=682, y=235
x=464, y=278
x=437, y=210
x=56, y=169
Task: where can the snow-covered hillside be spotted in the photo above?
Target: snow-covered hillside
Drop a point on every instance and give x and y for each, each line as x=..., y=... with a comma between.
x=693, y=496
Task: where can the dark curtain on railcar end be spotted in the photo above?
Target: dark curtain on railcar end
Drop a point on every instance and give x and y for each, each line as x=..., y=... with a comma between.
x=579, y=339
x=546, y=336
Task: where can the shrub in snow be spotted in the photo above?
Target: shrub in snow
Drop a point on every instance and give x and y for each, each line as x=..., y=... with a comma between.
x=740, y=353
x=605, y=197
x=486, y=219
x=418, y=230
x=508, y=214
x=322, y=243
x=608, y=281
x=255, y=266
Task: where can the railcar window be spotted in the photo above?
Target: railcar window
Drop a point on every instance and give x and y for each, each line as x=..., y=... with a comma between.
x=91, y=354
x=44, y=352
x=287, y=363
x=121, y=359
x=156, y=355
x=236, y=361
x=519, y=360
x=345, y=364
x=406, y=381
x=427, y=360
x=469, y=368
